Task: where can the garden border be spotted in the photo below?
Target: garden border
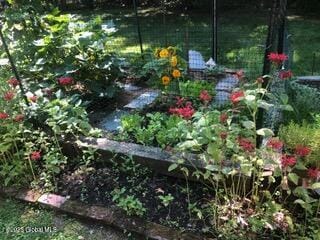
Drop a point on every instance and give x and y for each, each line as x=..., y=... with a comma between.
x=110, y=216
x=154, y=158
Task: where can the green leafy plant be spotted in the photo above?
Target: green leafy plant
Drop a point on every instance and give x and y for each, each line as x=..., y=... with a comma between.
x=130, y=204
x=193, y=88
x=166, y=199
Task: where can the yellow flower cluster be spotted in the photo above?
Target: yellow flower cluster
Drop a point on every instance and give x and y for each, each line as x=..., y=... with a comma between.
x=170, y=54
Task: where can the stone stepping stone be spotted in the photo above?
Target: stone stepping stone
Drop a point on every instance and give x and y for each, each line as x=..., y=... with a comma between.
x=221, y=98
x=112, y=122
x=196, y=61
x=131, y=88
x=143, y=100
x=227, y=84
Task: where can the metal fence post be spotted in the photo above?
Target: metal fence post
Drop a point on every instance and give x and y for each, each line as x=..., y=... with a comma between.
x=138, y=25
x=214, y=31
x=13, y=66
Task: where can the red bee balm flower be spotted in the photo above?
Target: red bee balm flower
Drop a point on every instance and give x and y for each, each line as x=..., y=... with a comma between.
x=275, y=144
x=8, y=96
x=3, y=115
x=235, y=97
x=246, y=144
x=288, y=161
x=277, y=58
x=184, y=112
x=65, y=81
x=13, y=82
x=223, y=118
x=285, y=74
x=19, y=118
x=302, y=151
x=314, y=173
x=223, y=135
x=36, y=155
x=205, y=96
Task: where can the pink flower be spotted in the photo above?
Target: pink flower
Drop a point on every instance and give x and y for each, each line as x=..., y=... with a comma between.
x=314, y=173
x=33, y=98
x=236, y=97
x=3, y=115
x=285, y=74
x=205, y=96
x=302, y=151
x=275, y=144
x=277, y=58
x=288, y=161
x=36, y=155
x=13, y=82
x=65, y=81
x=239, y=74
x=8, y=96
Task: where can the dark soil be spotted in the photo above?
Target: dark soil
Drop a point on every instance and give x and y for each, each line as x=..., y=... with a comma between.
x=95, y=186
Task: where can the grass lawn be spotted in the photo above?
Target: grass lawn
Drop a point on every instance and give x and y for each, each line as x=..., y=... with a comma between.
x=16, y=215
x=241, y=36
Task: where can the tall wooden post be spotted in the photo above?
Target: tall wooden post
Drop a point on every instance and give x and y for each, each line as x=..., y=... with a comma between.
x=214, y=31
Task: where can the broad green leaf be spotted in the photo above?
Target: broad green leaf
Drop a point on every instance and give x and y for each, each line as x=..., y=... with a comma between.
x=293, y=178
x=266, y=132
x=248, y=124
x=172, y=167
x=316, y=185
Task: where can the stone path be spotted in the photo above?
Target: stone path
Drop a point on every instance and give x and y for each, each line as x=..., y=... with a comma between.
x=224, y=89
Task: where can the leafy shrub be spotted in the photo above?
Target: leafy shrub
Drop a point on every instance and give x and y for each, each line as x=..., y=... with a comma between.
x=194, y=88
x=305, y=102
x=305, y=134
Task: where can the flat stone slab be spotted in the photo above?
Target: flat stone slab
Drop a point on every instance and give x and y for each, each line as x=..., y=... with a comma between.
x=131, y=88
x=227, y=84
x=112, y=122
x=143, y=100
x=309, y=78
x=221, y=98
x=155, y=158
x=196, y=61
x=28, y=196
x=52, y=200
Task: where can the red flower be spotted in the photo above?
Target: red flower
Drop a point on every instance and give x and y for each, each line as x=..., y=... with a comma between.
x=246, y=144
x=180, y=101
x=33, y=98
x=275, y=144
x=223, y=135
x=36, y=155
x=184, y=112
x=285, y=74
x=302, y=151
x=65, y=81
x=3, y=115
x=19, y=118
x=13, y=82
x=287, y=160
x=314, y=173
x=235, y=97
x=277, y=58
x=223, y=118
x=205, y=96
x=8, y=96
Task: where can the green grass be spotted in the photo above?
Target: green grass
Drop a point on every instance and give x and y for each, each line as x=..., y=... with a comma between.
x=241, y=36
x=15, y=215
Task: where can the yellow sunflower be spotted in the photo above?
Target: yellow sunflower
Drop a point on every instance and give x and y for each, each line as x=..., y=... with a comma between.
x=174, y=61
x=165, y=80
x=176, y=73
x=164, y=53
